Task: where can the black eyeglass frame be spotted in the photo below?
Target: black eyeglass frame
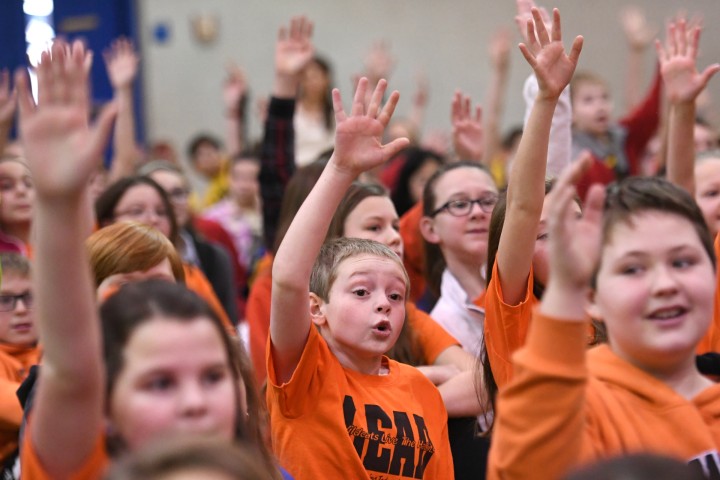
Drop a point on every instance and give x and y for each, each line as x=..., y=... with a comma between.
x=485, y=207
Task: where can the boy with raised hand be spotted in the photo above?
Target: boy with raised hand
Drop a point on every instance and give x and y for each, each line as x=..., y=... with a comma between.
x=338, y=407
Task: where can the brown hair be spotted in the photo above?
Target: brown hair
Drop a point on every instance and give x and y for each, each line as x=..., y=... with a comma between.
x=585, y=77
x=191, y=455
x=15, y=264
x=635, y=195
x=332, y=254
x=126, y=247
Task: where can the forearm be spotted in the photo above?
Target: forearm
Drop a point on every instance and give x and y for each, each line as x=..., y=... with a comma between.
x=233, y=132
x=633, y=77
x=124, y=148
x=681, y=146
x=460, y=395
x=526, y=183
x=4, y=136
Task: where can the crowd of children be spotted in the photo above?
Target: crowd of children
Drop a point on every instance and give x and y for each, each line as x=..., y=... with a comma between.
x=346, y=301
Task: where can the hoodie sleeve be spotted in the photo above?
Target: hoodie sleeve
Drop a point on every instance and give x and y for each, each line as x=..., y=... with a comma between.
x=540, y=417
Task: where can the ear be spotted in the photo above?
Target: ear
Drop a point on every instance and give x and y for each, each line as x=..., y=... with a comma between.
x=317, y=309
x=591, y=308
x=427, y=229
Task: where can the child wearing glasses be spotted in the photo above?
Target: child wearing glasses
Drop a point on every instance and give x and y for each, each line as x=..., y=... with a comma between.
x=457, y=203
x=18, y=345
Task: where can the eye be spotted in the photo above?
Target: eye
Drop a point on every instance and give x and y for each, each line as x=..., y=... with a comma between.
x=361, y=292
x=542, y=236
x=214, y=375
x=396, y=226
x=6, y=184
x=395, y=297
x=159, y=383
x=632, y=269
x=683, y=262
x=373, y=228
x=459, y=204
x=711, y=193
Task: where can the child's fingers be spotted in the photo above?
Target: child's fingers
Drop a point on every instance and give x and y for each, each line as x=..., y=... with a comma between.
x=529, y=57
x=44, y=79
x=467, y=106
x=708, y=73
x=376, y=99
x=340, y=114
x=455, y=106
x=25, y=99
x=662, y=55
x=673, y=39
x=308, y=28
x=576, y=48
x=556, y=27
x=542, y=32
x=532, y=40
x=694, y=42
x=478, y=114
x=681, y=37
x=389, y=108
x=358, y=104
x=594, y=204
x=101, y=131
x=395, y=147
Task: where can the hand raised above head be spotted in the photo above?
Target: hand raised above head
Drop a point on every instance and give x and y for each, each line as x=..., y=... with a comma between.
x=294, y=47
x=678, y=58
x=61, y=149
x=358, y=134
x=121, y=62
x=545, y=53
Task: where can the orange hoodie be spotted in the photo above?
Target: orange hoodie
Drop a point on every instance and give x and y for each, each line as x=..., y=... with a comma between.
x=711, y=341
x=567, y=406
x=15, y=363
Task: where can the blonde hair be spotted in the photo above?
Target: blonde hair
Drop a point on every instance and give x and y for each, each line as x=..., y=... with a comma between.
x=125, y=247
x=333, y=253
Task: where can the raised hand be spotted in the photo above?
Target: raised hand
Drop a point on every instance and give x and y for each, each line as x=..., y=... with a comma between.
x=358, y=135
x=62, y=150
x=467, y=130
x=294, y=48
x=546, y=55
x=638, y=32
x=524, y=15
x=683, y=82
x=8, y=100
x=379, y=62
x=574, y=243
x=121, y=62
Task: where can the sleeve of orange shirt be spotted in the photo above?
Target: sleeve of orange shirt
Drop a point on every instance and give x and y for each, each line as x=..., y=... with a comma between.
x=196, y=281
x=432, y=336
x=32, y=469
x=505, y=326
x=414, y=257
x=257, y=315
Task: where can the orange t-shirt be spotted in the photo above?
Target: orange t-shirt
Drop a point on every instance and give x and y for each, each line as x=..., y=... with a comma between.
x=711, y=340
x=567, y=406
x=196, y=281
x=333, y=422
x=92, y=468
x=433, y=338
x=15, y=363
x=506, y=326
x=414, y=255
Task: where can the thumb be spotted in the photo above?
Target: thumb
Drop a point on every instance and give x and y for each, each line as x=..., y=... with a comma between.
x=101, y=130
x=394, y=147
x=708, y=73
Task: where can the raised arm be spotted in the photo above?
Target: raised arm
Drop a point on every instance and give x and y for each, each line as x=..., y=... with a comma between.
x=62, y=151
x=495, y=96
x=8, y=102
x=526, y=184
x=234, y=96
x=358, y=148
x=293, y=50
x=121, y=62
x=683, y=84
x=639, y=35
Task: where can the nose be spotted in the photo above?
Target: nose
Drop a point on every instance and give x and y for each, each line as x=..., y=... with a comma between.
x=383, y=305
x=393, y=240
x=20, y=306
x=192, y=400
x=664, y=281
x=476, y=211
